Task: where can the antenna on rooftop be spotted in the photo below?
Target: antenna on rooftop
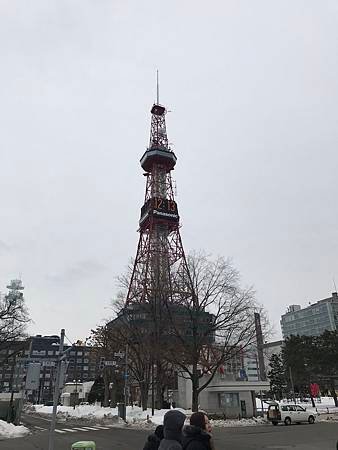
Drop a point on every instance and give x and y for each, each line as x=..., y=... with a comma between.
x=334, y=284
x=157, y=89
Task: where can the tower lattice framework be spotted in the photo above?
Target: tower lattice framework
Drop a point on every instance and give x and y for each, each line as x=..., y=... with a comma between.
x=160, y=273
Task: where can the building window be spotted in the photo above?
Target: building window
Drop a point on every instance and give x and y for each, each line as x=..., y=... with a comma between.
x=229, y=400
x=79, y=353
x=50, y=352
x=85, y=367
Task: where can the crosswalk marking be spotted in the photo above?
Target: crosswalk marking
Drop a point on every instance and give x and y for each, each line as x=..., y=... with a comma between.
x=76, y=429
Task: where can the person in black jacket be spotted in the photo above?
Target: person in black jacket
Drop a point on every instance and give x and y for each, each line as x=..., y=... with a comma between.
x=196, y=435
x=173, y=422
x=154, y=440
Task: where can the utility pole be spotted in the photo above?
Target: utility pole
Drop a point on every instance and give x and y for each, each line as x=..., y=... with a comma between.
x=292, y=385
x=152, y=388
x=126, y=383
x=56, y=392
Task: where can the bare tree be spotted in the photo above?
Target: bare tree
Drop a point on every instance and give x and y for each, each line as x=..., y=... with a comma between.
x=13, y=314
x=103, y=347
x=211, y=325
x=208, y=321
x=140, y=326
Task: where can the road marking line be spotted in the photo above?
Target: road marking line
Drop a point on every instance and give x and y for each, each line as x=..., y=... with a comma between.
x=70, y=430
x=101, y=428
x=59, y=431
x=91, y=428
x=39, y=428
x=37, y=417
x=79, y=429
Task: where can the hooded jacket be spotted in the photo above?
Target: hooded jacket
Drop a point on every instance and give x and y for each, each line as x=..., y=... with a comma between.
x=194, y=438
x=154, y=440
x=172, y=430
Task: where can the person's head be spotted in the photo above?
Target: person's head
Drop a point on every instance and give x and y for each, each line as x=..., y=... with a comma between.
x=173, y=422
x=200, y=420
x=159, y=431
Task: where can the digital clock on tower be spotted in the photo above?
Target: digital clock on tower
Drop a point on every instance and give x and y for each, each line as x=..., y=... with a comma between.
x=165, y=207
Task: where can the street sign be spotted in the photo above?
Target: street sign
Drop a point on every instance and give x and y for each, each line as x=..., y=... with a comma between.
x=63, y=371
x=33, y=376
x=110, y=363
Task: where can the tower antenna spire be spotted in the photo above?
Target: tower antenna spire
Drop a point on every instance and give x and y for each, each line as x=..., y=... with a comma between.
x=157, y=89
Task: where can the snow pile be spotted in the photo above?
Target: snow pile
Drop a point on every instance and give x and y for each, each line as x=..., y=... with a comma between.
x=327, y=417
x=8, y=430
x=82, y=413
x=135, y=414
x=79, y=412
x=238, y=423
x=136, y=417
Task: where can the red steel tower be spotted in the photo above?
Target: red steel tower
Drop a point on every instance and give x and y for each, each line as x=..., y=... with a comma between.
x=160, y=273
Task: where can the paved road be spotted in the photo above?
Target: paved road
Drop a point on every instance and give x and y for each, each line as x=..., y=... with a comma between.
x=321, y=436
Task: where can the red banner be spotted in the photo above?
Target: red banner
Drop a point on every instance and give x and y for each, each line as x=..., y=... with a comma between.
x=314, y=389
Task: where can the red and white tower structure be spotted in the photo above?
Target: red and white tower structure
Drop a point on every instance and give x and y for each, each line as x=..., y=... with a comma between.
x=160, y=273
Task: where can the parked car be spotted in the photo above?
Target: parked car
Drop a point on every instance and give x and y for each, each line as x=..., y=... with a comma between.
x=290, y=414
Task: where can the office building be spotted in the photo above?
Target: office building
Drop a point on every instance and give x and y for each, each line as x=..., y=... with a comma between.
x=83, y=365
x=312, y=320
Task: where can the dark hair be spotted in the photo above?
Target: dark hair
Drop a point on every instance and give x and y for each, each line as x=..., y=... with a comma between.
x=198, y=419
x=159, y=431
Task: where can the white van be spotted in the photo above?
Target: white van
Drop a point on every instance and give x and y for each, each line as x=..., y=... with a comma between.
x=289, y=414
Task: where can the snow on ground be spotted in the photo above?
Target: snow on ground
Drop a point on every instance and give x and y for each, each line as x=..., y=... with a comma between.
x=135, y=416
x=8, y=430
x=143, y=419
x=238, y=423
x=96, y=412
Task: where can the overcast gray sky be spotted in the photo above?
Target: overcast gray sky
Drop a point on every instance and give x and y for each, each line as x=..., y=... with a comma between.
x=252, y=90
